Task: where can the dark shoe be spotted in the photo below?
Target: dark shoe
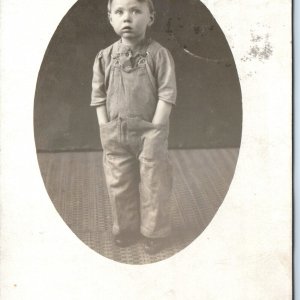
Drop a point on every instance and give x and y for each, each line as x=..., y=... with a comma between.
x=126, y=239
x=152, y=246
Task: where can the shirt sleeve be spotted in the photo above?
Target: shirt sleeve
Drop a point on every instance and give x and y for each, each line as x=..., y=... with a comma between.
x=165, y=76
x=98, y=82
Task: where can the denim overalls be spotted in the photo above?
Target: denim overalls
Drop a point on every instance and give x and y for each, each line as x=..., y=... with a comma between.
x=135, y=151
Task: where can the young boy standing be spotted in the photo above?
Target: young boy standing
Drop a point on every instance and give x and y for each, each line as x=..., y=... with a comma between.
x=134, y=89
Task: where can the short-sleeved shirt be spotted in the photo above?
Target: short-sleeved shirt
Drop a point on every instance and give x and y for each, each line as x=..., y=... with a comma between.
x=160, y=69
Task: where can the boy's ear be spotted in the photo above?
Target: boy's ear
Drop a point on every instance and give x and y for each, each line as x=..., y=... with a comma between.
x=152, y=18
x=109, y=17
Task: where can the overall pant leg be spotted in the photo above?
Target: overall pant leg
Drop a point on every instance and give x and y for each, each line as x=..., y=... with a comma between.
x=122, y=178
x=156, y=182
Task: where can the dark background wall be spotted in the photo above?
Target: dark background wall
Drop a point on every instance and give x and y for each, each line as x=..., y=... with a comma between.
x=208, y=112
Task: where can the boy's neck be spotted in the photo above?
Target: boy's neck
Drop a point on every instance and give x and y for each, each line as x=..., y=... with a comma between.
x=133, y=44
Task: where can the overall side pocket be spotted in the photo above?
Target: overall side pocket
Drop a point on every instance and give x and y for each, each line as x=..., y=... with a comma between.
x=108, y=134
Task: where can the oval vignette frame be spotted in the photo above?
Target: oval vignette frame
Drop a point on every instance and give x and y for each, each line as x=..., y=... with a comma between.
x=205, y=131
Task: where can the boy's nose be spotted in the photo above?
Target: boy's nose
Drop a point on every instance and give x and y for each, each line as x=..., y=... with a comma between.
x=126, y=17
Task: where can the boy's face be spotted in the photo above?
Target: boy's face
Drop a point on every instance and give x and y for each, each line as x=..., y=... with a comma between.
x=130, y=19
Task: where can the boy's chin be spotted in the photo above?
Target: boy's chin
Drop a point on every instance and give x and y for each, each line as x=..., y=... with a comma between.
x=131, y=37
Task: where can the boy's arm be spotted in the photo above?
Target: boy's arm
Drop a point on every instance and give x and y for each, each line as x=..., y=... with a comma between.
x=98, y=89
x=162, y=112
x=102, y=114
x=166, y=86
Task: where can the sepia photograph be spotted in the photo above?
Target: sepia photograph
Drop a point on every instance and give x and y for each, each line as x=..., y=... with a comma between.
x=164, y=98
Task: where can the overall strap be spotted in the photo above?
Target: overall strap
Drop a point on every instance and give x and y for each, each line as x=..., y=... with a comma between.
x=107, y=55
x=114, y=49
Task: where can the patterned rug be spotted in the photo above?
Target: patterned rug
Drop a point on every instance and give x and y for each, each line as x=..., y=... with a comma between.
x=76, y=185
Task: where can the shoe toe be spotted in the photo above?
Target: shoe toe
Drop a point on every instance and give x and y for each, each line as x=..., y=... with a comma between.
x=153, y=246
x=125, y=240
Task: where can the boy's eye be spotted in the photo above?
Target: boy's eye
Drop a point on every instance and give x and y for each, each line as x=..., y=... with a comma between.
x=118, y=12
x=136, y=11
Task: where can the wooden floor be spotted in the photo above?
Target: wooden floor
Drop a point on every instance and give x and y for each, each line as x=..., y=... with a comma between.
x=75, y=184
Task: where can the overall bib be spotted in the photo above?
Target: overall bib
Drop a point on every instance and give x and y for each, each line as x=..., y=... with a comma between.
x=135, y=151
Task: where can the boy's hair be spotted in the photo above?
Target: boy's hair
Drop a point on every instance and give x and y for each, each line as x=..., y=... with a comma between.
x=149, y=2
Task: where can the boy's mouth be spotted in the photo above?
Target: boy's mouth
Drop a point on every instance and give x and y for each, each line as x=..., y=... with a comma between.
x=127, y=28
